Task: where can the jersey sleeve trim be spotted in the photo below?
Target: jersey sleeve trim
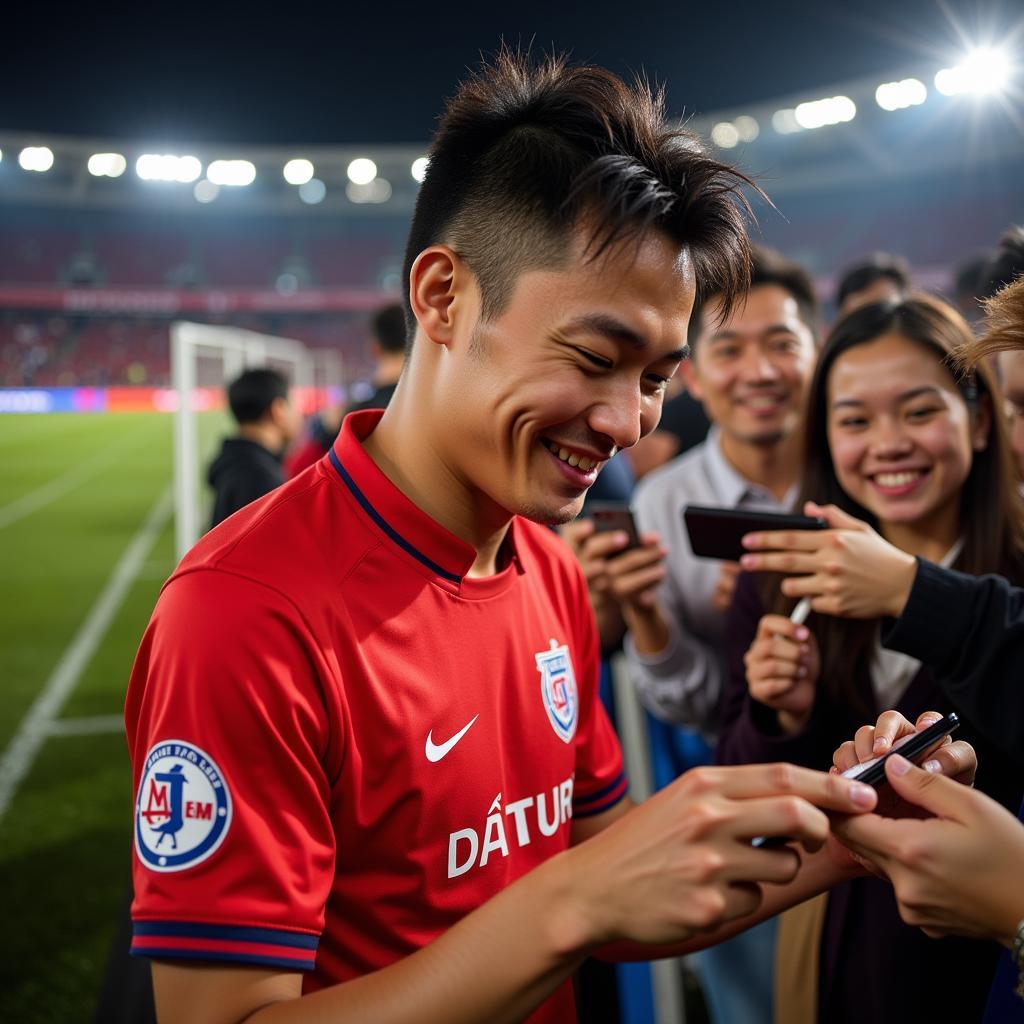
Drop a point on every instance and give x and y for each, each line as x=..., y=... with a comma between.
x=268, y=947
x=595, y=803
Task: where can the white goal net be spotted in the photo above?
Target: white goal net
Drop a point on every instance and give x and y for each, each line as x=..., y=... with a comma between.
x=204, y=359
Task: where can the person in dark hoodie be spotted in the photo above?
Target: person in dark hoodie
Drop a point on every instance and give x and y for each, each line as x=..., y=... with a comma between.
x=249, y=465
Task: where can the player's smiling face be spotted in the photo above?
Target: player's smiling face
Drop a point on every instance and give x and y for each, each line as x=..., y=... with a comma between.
x=572, y=370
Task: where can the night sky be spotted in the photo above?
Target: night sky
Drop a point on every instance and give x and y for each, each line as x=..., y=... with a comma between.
x=376, y=72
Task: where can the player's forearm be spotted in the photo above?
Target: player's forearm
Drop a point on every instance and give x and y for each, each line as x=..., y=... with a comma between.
x=818, y=873
x=496, y=965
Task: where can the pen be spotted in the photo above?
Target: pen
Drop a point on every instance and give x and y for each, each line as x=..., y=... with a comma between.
x=801, y=611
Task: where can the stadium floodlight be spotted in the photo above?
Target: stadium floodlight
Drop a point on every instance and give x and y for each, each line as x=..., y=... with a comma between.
x=747, y=127
x=205, y=191
x=234, y=173
x=376, y=191
x=362, y=171
x=910, y=92
x=828, y=111
x=984, y=70
x=168, y=167
x=107, y=165
x=298, y=172
x=785, y=122
x=419, y=168
x=312, y=191
x=36, y=158
x=725, y=135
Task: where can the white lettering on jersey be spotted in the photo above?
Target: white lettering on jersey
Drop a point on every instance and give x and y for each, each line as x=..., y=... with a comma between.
x=467, y=848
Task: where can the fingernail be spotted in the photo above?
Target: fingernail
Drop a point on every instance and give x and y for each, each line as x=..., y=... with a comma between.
x=801, y=670
x=802, y=633
x=899, y=765
x=930, y=719
x=932, y=766
x=861, y=795
x=882, y=743
x=750, y=540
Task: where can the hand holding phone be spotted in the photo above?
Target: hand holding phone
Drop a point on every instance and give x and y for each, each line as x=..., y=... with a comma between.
x=612, y=516
x=719, y=532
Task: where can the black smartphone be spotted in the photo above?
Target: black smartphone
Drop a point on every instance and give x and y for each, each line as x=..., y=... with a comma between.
x=614, y=515
x=719, y=532
x=911, y=747
x=872, y=773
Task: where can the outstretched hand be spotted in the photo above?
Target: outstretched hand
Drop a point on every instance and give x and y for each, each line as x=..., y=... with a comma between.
x=957, y=871
x=847, y=570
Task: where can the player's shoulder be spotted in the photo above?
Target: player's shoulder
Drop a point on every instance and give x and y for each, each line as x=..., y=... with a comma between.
x=673, y=480
x=543, y=551
x=302, y=536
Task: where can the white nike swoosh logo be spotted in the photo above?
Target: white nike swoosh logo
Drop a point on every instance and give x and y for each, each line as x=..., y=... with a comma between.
x=435, y=752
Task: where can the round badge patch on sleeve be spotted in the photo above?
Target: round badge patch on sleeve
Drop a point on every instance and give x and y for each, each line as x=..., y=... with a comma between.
x=182, y=809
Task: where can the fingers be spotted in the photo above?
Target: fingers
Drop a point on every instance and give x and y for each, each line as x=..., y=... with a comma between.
x=605, y=544
x=845, y=757
x=933, y=791
x=786, y=562
x=782, y=817
x=786, y=540
x=745, y=782
x=836, y=518
x=871, y=836
x=956, y=760
x=778, y=626
x=892, y=726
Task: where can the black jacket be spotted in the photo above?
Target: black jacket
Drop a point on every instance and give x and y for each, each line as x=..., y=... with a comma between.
x=970, y=631
x=242, y=472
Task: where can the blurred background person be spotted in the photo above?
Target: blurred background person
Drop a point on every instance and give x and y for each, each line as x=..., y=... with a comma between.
x=249, y=465
x=879, y=278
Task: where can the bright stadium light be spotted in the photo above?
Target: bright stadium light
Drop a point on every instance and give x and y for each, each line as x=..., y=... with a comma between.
x=36, y=158
x=205, y=191
x=312, y=191
x=819, y=113
x=235, y=173
x=725, y=135
x=419, y=168
x=376, y=191
x=911, y=92
x=168, y=167
x=747, y=127
x=362, y=171
x=107, y=165
x=785, y=122
x=298, y=172
x=984, y=70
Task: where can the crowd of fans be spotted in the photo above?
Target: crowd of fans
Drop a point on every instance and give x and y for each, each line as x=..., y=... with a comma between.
x=889, y=424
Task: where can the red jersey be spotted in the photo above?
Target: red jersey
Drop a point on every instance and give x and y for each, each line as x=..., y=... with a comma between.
x=341, y=744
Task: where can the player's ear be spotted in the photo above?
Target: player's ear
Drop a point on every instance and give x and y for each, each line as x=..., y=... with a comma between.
x=439, y=287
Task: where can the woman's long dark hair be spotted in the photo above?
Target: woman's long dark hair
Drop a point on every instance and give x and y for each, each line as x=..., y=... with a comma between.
x=991, y=512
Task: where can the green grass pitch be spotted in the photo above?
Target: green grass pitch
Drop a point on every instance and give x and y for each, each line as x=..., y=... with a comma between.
x=89, y=482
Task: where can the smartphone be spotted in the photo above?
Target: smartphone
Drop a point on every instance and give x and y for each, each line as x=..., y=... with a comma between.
x=872, y=773
x=913, y=748
x=615, y=515
x=719, y=532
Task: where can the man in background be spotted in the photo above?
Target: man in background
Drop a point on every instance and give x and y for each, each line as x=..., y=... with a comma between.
x=249, y=464
x=387, y=348
x=879, y=278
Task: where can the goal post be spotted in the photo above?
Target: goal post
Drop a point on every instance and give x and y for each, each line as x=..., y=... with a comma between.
x=231, y=350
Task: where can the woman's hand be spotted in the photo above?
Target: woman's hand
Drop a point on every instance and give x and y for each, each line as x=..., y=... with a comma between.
x=847, y=570
x=783, y=665
x=956, y=871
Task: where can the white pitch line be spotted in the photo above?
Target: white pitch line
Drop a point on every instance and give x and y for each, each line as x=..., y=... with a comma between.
x=93, y=725
x=38, y=722
x=66, y=482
